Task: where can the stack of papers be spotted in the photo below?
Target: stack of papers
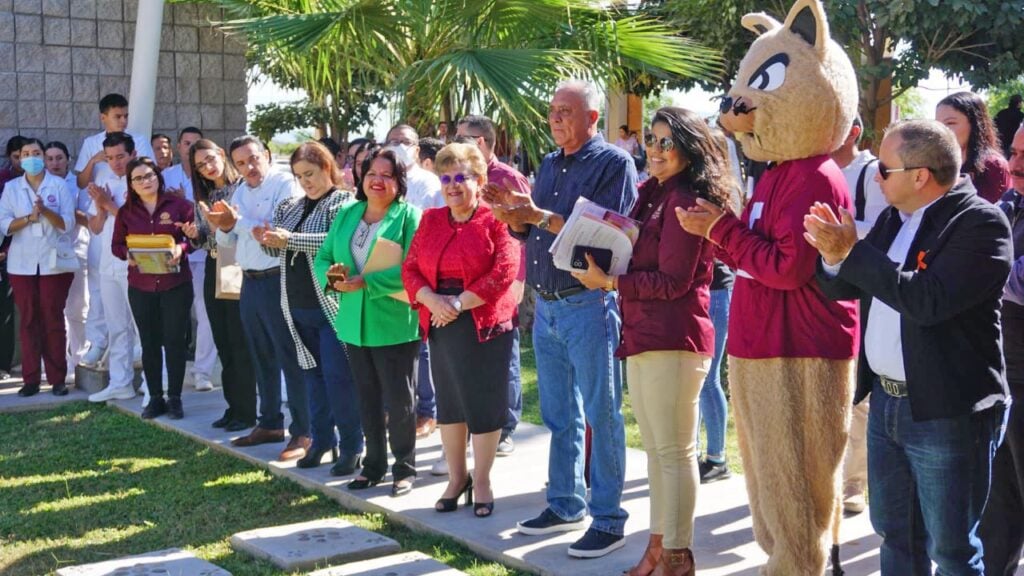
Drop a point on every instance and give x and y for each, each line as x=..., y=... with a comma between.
x=594, y=226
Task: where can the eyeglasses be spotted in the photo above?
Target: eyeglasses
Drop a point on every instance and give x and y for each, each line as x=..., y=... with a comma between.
x=560, y=111
x=402, y=142
x=666, y=144
x=884, y=170
x=457, y=179
x=209, y=162
x=144, y=178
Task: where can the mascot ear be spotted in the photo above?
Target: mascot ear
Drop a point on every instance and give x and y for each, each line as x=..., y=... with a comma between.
x=759, y=23
x=807, y=20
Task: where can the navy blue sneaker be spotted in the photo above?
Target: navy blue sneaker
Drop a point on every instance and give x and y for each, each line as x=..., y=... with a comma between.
x=548, y=523
x=595, y=544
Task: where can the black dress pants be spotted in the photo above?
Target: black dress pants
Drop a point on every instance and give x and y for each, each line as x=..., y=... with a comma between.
x=238, y=380
x=164, y=321
x=386, y=376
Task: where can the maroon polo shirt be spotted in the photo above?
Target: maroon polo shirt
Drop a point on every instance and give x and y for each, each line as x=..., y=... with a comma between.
x=134, y=218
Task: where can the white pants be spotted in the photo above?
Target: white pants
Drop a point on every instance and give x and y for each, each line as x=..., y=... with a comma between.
x=76, y=310
x=121, y=331
x=206, y=351
x=95, y=325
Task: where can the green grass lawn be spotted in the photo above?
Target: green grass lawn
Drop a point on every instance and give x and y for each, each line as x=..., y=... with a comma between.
x=531, y=409
x=85, y=483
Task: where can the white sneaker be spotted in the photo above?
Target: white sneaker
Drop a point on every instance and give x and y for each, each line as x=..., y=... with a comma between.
x=93, y=356
x=108, y=393
x=202, y=383
x=440, y=468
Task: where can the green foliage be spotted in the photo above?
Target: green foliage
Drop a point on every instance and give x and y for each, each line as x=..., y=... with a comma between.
x=448, y=58
x=269, y=120
x=652, y=103
x=999, y=95
x=911, y=105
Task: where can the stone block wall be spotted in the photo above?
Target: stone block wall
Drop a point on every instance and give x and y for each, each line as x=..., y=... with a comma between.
x=58, y=57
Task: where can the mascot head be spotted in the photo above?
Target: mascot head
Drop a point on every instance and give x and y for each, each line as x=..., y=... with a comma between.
x=795, y=94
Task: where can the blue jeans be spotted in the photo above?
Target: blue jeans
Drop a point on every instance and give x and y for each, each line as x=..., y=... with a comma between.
x=928, y=483
x=580, y=381
x=714, y=411
x=273, y=351
x=333, y=400
x=425, y=404
x=515, y=387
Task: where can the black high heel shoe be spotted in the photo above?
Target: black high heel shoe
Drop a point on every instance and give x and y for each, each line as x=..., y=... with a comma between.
x=313, y=457
x=480, y=506
x=363, y=483
x=450, y=504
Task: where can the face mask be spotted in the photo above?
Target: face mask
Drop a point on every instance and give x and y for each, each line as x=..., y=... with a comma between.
x=404, y=154
x=32, y=165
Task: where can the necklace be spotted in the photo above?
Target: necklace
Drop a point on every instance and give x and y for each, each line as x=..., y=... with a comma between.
x=363, y=233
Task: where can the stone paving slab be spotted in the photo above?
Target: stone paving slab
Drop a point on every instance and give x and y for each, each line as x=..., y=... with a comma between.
x=11, y=402
x=408, y=564
x=307, y=545
x=170, y=562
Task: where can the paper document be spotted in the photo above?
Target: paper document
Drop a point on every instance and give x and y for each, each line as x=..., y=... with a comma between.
x=594, y=226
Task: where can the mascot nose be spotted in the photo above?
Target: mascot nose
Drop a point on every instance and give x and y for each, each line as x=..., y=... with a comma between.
x=726, y=105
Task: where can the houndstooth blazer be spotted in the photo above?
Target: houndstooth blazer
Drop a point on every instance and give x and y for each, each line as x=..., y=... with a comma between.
x=305, y=243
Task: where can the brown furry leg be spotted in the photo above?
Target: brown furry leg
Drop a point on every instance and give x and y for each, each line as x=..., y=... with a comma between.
x=795, y=414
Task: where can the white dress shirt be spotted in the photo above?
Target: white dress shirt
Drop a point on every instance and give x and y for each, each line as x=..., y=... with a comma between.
x=34, y=248
x=423, y=188
x=83, y=202
x=118, y=186
x=256, y=207
x=874, y=200
x=883, y=338
x=93, y=144
x=174, y=177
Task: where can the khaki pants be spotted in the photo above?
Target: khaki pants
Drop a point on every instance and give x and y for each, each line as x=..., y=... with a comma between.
x=664, y=387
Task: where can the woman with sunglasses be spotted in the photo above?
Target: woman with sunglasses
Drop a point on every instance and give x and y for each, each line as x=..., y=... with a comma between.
x=459, y=274
x=667, y=333
x=214, y=178
x=967, y=116
x=160, y=302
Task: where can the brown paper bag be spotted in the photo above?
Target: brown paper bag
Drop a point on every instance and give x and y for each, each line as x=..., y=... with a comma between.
x=228, y=285
x=386, y=253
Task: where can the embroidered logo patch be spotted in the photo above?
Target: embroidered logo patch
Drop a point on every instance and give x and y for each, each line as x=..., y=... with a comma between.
x=165, y=217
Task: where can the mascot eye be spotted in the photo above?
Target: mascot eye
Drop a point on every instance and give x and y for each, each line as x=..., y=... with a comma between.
x=770, y=75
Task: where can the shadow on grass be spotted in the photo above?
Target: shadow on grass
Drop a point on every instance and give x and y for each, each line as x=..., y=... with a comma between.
x=90, y=484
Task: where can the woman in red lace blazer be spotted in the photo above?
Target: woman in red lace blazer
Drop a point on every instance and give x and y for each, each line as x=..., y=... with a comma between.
x=459, y=274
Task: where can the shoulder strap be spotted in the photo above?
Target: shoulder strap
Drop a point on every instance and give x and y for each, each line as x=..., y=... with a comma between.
x=859, y=200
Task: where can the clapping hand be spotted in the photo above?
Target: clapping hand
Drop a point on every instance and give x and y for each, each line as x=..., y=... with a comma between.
x=833, y=237
x=700, y=219
x=189, y=229
x=37, y=210
x=221, y=214
x=510, y=206
x=271, y=237
x=102, y=198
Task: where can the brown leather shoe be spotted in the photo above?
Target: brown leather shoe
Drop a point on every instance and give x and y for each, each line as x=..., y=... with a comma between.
x=296, y=448
x=259, y=436
x=649, y=561
x=425, y=426
x=676, y=562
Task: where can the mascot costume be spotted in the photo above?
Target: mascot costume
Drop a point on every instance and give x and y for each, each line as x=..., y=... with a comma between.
x=791, y=349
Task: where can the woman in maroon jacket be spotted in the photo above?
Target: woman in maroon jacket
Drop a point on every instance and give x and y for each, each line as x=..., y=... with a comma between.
x=459, y=274
x=160, y=302
x=667, y=333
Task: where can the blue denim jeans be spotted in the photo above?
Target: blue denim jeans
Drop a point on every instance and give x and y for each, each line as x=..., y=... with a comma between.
x=333, y=400
x=928, y=483
x=515, y=387
x=714, y=411
x=273, y=351
x=425, y=403
x=580, y=381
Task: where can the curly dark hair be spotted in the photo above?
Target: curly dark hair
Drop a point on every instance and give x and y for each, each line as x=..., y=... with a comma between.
x=983, y=141
x=398, y=171
x=707, y=171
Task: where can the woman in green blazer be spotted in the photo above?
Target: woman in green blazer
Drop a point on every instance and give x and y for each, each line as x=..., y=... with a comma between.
x=361, y=260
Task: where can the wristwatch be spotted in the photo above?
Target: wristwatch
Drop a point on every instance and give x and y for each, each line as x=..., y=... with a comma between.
x=545, y=221
x=457, y=304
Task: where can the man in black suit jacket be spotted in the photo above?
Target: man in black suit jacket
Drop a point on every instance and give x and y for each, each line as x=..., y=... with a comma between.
x=929, y=276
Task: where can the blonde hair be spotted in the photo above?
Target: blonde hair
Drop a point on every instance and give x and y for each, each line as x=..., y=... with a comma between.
x=454, y=155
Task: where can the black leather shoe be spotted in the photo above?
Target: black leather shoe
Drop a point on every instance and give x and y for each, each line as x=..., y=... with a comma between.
x=174, y=409
x=238, y=425
x=402, y=487
x=60, y=389
x=156, y=407
x=363, y=483
x=28, y=390
x=346, y=465
x=315, y=455
x=223, y=421
x=451, y=504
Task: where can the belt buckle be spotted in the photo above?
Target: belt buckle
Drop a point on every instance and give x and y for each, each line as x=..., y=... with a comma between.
x=891, y=387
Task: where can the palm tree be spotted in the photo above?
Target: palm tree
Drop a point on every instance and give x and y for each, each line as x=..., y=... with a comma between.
x=443, y=59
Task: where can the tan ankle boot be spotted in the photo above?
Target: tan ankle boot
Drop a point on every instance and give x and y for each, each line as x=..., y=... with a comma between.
x=649, y=561
x=676, y=562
